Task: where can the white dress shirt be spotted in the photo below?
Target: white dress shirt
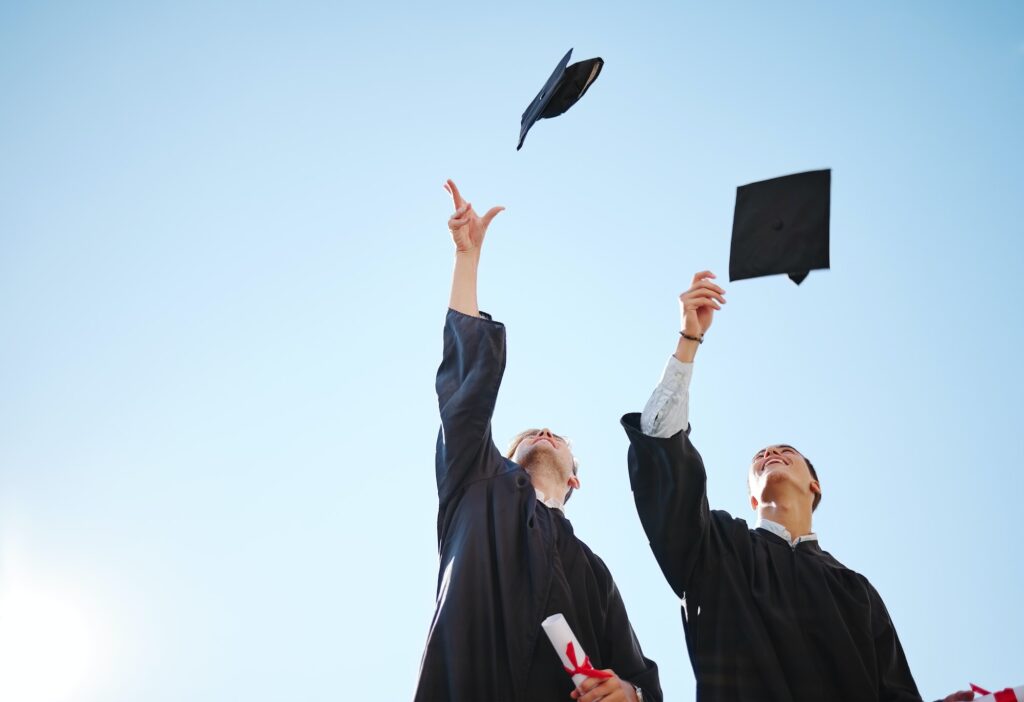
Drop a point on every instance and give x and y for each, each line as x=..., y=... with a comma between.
x=552, y=502
x=667, y=412
x=779, y=530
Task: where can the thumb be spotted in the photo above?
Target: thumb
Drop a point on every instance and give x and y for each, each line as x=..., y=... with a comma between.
x=491, y=214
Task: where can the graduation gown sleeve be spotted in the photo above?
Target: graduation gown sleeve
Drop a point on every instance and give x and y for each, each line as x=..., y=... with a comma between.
x=467, y=383
x=669, y=487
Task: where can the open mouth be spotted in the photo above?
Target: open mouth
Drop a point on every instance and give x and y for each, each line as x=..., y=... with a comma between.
x=770, y=461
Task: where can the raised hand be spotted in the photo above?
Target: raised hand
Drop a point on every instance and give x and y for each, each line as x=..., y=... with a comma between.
x=467, y=227
x=697, y=305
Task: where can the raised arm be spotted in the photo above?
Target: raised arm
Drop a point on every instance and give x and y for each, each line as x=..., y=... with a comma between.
x=472, y=364
x=665, y=470
x=667, y=412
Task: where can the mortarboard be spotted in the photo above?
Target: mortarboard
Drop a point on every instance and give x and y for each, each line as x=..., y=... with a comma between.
x=563, y=89
x=781, y=226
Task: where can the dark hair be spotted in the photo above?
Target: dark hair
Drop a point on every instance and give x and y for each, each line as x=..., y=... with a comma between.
x=814, y=474
x=518, y=439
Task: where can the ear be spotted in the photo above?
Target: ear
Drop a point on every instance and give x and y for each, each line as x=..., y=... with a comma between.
x=753, y=503
x=815, y=487
x=573, y=482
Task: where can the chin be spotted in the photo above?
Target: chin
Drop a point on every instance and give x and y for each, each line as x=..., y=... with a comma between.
x=771, y=479
x=542, y=449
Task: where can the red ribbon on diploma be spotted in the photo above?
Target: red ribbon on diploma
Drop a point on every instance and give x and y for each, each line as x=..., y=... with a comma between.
x=589, y=670
x=1007, y=695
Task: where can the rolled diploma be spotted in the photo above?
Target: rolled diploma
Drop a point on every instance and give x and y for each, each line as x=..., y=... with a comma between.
x=1018, y=691
x=560, y=635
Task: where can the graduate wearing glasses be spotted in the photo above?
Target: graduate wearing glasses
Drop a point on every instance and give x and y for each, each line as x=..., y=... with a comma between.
x=509, y=558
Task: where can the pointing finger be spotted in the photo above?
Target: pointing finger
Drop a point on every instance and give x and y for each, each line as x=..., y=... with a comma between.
x=453, y=189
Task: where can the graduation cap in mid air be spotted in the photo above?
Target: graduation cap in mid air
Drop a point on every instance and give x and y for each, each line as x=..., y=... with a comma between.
x=563, y=90
x=781, y=226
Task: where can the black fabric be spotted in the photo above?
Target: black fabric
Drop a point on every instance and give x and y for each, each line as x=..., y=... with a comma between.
x=563, y=89
x=507, y=561
x=581, y=589
x=763, y=620
x=781, y=226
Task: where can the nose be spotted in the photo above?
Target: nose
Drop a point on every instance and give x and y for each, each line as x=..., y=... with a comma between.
x=769, y=453
x=546, y=432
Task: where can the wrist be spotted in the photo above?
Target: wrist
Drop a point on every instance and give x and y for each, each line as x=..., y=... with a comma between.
x=686, y=349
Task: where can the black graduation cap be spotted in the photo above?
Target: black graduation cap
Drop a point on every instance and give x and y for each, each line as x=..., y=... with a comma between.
x=563, y=89
x=781, y=226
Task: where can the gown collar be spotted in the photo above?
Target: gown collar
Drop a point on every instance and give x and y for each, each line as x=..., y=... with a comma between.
x=552, y=502
x=783, y=532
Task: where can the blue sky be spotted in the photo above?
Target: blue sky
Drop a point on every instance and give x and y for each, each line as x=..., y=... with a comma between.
x=223, y=276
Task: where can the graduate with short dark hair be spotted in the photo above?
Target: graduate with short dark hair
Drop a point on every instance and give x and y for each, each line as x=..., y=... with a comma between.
x=768, y=615
x=509, y=557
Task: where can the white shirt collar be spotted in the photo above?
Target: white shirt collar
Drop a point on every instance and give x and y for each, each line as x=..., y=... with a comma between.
x=552, y=502
x=779, y=530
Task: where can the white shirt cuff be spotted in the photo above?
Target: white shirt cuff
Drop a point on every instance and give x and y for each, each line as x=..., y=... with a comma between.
x=667, y=412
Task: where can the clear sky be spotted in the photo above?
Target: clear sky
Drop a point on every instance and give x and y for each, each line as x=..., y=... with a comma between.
x=223, y=275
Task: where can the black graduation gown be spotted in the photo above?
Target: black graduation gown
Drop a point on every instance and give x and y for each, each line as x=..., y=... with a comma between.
x=763, y=620
x=503, y=554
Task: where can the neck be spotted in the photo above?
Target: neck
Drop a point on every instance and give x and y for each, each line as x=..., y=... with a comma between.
x=546, y=477
x=796, y=518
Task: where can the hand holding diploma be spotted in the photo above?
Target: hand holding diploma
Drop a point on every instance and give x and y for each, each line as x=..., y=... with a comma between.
x=1010, y=694
x=591, y=684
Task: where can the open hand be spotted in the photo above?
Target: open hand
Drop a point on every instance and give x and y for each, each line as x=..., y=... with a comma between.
x=467, y=227
x=698, y=304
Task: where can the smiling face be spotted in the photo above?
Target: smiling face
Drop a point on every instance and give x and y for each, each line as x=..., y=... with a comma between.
x=535, y=448
x=782, y=467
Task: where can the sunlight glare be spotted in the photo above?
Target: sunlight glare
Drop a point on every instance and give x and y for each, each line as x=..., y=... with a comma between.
x=48, y=645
